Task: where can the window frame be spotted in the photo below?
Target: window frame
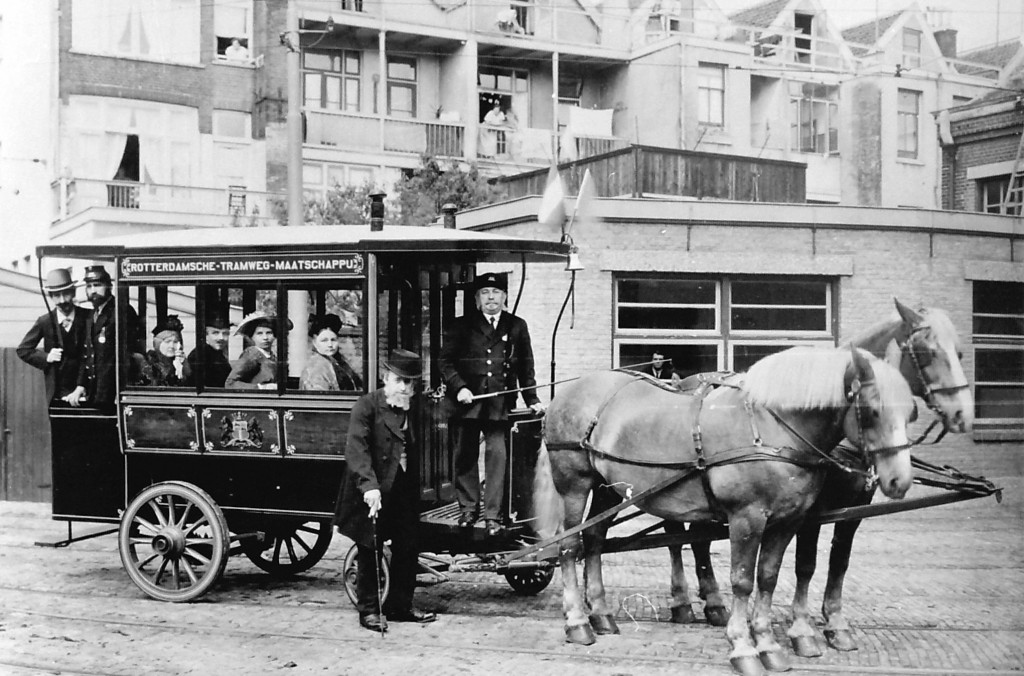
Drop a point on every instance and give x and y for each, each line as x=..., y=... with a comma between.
x=908, y=124
x=708, y=92
x=804, y=136
x=723, y=336
x=910, y=54
x=339, y=72
x=398, y=83
x=986, y=343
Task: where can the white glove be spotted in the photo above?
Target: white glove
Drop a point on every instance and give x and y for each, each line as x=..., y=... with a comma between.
x=464, y=396
x=372, y=500
x=55, y=355
x=538, y=407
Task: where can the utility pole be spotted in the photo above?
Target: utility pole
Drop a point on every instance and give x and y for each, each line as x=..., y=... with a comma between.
x=297, y=310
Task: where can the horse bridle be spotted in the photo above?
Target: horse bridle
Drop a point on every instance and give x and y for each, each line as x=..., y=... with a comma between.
x=907, y=348
x=854, y=397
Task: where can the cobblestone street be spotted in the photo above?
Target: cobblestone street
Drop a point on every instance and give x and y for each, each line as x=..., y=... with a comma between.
x=930, y=591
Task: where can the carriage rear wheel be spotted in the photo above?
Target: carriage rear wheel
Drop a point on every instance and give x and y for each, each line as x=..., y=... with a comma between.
x=351, y=569
x=173, y=541
x=529, y=582
x=289, y=547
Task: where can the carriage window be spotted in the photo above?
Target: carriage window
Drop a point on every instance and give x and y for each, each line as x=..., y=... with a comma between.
x=999, y=353
x=326, y=341
x=167, y=331
x=710, y=324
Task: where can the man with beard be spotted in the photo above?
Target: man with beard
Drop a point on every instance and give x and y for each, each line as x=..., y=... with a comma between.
x=62, y=331
x=485, y=357
x=98, y=374
x=379, y=493
x=215, y=364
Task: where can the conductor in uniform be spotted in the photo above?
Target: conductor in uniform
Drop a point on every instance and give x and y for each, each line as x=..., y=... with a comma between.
x=486, y=351
x=379, y=496
x=98, y=374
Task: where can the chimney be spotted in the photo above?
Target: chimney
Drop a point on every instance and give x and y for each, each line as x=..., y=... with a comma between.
x=946, y=37
x=377, y=211
x=449, y=210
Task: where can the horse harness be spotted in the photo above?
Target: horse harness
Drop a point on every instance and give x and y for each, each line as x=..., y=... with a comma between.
x=907, y=347
x=757, y=451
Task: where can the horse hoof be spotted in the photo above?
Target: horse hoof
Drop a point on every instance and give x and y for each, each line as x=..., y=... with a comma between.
x=717, y=616
x=775, y=660
x=747, y=665
x=840, y=639
x=806, y=646
x=581, y=634
x=683, y=615
x=604, y=624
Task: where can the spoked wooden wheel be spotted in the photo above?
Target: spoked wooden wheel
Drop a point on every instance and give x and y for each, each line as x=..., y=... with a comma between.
x=529, y=582
x=290, y=547
x=173, y=541
x=351, y=569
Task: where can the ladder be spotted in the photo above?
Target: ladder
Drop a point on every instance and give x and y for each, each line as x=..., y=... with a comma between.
x=1015, y=190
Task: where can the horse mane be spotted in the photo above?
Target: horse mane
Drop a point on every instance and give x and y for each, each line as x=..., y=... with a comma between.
x=814, y=378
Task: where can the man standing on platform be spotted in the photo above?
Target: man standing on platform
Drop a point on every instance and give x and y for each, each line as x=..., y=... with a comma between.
x=98, y=375
x=63, y=333
x=486, y=352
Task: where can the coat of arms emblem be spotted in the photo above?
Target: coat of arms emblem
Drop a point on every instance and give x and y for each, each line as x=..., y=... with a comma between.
x=239, y=432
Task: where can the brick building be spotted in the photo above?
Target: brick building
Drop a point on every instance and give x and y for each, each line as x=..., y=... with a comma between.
x=716, y=285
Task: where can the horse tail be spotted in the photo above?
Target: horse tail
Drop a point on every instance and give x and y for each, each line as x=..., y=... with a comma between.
x=547, y=503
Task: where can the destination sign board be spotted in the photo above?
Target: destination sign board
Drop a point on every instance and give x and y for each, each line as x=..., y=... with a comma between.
x=245, y=266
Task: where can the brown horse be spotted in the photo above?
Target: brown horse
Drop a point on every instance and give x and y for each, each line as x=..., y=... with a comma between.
x=925, y=347
x=749, y=454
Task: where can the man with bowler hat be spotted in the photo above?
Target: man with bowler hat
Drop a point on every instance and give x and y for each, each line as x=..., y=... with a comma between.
x=379, y=496
x=485, y=352
x=216, y=366
x=62, y=331
x=98, y=374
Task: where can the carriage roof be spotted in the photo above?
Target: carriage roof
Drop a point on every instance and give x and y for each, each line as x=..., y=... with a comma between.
x=312, y=238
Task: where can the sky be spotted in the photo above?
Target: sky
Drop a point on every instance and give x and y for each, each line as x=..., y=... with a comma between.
x=978, y=22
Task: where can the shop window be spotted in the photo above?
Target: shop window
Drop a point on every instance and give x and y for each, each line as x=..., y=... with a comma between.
x=710, y=324
x=998, y=337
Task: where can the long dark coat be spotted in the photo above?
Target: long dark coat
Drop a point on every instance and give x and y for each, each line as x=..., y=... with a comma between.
x=98, y=373
x=372, y=452
x=477, y=357
x=61, y=377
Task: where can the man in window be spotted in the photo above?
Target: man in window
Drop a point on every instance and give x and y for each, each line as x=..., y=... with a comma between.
x=659, y=367
x=236, y=52
x=211, y=353
x=62, y=331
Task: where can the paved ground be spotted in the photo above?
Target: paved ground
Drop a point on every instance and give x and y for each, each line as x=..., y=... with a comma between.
x=932, y=591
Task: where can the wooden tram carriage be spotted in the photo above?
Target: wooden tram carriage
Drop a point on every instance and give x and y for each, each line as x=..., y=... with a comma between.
x=192, y=474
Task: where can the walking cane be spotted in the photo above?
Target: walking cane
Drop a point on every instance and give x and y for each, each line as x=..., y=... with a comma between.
x=377, y=553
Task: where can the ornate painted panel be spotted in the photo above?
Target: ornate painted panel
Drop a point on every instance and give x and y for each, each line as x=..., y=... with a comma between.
x=160, y=428
x=315, y=432
x=238, y=430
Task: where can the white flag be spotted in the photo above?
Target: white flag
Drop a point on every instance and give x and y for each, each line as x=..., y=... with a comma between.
x=552, y=204
x=584, y=202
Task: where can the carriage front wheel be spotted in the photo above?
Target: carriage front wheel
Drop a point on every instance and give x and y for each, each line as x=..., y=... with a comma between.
x=351, y=569
x=289, y=547
x=173, y=541
x=529, y=581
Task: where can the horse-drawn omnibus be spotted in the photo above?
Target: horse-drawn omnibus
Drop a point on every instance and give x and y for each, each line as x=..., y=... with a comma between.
x=192, y=473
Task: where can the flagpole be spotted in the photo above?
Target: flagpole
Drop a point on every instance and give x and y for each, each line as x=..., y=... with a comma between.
x=554, y=333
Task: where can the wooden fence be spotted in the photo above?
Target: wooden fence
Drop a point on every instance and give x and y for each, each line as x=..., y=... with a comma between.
x=25, y=444
x=643, y=170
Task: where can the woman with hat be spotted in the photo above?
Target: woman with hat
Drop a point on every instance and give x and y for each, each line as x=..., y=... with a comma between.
x=164, y=364
x=325, y=368
x=256, y=368
x=379, y=496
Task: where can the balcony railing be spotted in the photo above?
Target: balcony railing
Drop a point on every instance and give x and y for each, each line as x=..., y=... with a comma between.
x=237, y=205
x=361, y=132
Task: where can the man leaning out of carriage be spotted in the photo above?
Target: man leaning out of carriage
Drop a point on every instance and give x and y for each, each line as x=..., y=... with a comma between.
x=378, y=499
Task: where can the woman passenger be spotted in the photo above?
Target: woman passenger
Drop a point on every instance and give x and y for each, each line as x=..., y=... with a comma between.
x=326, y=369
x=256, y=368
x=164, y=364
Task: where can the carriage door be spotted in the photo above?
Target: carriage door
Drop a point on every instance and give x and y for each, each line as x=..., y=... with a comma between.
x=414, y=302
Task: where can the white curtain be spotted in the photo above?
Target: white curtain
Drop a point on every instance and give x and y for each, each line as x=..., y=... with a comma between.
x=113, y=151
